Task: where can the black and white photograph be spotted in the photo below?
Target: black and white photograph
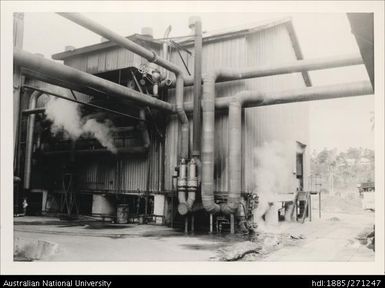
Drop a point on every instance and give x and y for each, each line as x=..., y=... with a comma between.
x=190, y=133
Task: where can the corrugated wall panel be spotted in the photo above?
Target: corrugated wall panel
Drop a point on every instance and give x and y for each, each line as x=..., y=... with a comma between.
x=286, y=123
x=280, y=122
x=106, y=60
x=123, y=174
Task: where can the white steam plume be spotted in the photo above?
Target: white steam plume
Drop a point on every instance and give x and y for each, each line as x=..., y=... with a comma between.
x=273, y=174
x=66, y=117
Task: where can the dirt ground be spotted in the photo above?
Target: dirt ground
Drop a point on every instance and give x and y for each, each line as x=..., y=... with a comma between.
x=336, y=236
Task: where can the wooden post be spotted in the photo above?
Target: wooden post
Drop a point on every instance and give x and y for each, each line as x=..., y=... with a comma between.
x=192, y=223
x=186, y=224
x=232, y=224
x=271, y=216
x=211, y=223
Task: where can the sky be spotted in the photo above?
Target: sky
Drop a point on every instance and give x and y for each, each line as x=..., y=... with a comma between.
x=338, y=123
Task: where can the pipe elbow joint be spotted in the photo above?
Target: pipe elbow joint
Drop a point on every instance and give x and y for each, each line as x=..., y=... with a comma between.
x=183, y=209
x=210, y=206
x=231, y=206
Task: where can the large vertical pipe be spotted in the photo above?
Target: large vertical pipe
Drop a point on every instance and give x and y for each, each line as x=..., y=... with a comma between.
x=235, y=161
x=182, y=117
x=208, y=121
x=29, y=141
x=196, y=24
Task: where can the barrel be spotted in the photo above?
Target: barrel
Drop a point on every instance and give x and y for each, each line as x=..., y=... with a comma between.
x=122, y=214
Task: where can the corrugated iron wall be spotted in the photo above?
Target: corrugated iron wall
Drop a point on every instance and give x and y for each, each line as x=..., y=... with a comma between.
x=106, y=60
x=123, y=174
x=261, y=124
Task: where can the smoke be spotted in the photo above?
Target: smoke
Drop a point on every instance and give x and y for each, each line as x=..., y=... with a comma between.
x=273, y=174
x=66, y=117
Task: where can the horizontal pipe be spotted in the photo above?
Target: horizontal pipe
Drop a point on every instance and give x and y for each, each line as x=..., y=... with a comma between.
x=258, y=98
x=51, y=93
x=120, y=40
x=120, y=151
x=231, y=74
x=33, y=111
x=69, y=74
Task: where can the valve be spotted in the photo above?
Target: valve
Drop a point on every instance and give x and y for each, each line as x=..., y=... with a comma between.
x=192, y=181
x=156, y=79
x=182, y=179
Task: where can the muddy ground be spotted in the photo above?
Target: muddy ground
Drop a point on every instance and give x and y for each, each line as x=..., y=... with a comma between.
x=339, y=235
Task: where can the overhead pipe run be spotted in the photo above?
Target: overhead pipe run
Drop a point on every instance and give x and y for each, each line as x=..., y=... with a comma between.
x=258, y=98
x=231, y=74
x=84, y=152
x=48, y=91
x=209, y=103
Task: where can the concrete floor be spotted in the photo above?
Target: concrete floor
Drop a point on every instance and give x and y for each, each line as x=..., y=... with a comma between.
x=331, y=238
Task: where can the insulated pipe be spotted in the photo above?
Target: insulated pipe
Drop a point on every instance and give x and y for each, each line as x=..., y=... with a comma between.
x=95, y=27
x=258, y=98
x=235, y=160
x=120, y=151
x=151, y=56
x=254, y=98
x=231, y=74
x=71, y=75
x=29, y=140
x=207, y=149
x=182, y=117
x=197, y=26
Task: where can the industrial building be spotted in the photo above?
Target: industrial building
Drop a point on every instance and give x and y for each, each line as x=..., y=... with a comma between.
x=186, y=117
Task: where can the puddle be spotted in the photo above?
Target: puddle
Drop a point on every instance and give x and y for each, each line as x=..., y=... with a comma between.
x=32, y=249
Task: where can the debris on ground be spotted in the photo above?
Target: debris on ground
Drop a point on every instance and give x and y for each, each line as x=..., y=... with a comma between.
x=239, y=250
x=297, y=236
x=367, y=237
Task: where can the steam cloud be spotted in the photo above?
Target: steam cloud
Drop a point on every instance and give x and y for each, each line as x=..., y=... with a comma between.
x=273, y=174
x=66, y=116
